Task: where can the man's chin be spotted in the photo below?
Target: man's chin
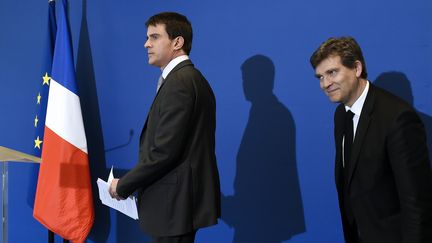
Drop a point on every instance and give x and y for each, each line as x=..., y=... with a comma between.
x=335, y=100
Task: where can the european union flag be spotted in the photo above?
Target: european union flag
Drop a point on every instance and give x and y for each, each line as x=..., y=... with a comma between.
x=41, y=99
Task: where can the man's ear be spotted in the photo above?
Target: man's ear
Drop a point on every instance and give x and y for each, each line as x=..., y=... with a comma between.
x=178, y=43
x=358, y=68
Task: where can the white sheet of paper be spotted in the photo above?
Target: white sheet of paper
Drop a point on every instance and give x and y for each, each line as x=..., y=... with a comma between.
x=127, y=206
x=111, y=176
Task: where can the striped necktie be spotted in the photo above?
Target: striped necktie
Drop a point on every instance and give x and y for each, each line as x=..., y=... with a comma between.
x=159, y=83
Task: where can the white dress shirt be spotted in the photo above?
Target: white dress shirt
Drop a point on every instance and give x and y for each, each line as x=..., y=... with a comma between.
x=356, y=108
x=171, y=65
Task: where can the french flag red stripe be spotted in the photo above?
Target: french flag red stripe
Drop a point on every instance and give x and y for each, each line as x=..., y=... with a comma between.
x=64, y=188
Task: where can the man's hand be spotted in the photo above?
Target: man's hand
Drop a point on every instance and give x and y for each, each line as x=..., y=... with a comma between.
x=113, y=189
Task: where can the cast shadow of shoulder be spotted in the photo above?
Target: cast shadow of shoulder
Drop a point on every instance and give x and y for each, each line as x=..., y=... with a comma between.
x=399, y=84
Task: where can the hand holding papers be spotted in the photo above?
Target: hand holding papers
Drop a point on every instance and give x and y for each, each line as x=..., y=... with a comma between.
x=127, y=206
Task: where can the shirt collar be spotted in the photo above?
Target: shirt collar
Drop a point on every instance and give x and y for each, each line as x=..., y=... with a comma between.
x=356, y=108
x=171, y=65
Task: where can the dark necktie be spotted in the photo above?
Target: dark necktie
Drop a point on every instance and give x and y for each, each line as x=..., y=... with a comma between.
x=348, y=141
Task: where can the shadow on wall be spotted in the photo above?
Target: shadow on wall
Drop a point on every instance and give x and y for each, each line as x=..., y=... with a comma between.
x=90, y=107
x=127, y=228
x=398, y=84
x=267, y=204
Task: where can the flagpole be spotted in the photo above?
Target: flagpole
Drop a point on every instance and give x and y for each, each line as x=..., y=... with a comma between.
x=50, y=236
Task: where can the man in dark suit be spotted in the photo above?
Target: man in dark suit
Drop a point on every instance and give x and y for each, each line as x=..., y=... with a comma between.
x=176, y=176
x=382, y=171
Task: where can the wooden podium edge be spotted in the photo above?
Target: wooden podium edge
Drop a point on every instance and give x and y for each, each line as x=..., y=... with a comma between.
x=11, y=155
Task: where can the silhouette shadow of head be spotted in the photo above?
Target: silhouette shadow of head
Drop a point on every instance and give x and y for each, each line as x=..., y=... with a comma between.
x=267, y=205
x=258, y=74
x=398, y=84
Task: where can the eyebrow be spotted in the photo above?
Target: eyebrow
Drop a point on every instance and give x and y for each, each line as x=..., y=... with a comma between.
x=331, y=70
x=154, y=35
x=326, y=72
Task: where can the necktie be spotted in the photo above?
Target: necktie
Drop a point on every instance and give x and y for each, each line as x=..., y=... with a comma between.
x=348, y=141
x=159, y=83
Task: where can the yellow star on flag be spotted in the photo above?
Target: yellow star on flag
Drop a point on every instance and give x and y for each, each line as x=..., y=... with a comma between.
x=46, y=79
x=38, y=98
x=37, y=143
x=36, y=121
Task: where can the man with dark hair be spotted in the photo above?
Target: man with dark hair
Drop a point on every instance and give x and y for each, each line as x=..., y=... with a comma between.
x=176, y=176
x=382, y=171
x=175, y=25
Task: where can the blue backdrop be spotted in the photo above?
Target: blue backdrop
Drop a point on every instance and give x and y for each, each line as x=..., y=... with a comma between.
x=274, y=125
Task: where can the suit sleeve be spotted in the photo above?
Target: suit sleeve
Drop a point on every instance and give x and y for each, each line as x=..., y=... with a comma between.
x=175, y=112
x=410, y=163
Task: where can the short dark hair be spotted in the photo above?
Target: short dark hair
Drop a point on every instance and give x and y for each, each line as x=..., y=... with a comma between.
x=345, y=47
x=175, y=25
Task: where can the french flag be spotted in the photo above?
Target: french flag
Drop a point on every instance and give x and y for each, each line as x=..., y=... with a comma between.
x=64, y=202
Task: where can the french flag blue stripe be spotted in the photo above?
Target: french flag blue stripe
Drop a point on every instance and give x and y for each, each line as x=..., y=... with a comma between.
x=63, y=68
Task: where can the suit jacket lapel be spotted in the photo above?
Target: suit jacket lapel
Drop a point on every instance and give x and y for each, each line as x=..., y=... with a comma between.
x=365, y=118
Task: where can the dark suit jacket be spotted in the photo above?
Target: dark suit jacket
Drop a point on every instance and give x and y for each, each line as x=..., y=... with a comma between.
x=176, y=176
x=389, y=179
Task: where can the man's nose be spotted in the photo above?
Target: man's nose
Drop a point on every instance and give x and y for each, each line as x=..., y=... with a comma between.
x=147, y=44
x=325, y=82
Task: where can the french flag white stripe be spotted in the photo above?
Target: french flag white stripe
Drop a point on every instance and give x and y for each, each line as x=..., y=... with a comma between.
x=64, y=115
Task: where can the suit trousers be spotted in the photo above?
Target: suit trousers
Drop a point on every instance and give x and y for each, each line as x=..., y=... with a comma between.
x=186, y=238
